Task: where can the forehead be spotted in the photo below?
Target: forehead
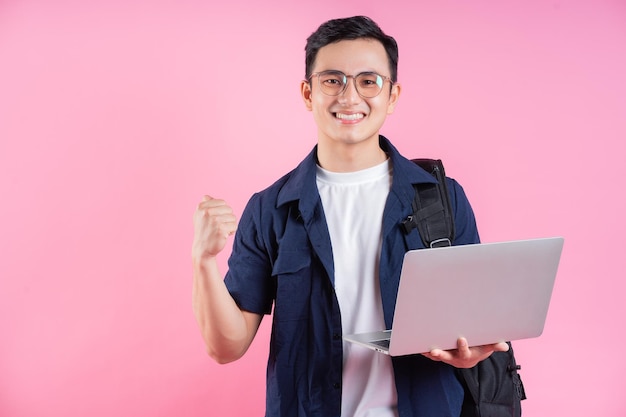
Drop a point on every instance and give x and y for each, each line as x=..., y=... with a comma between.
x=353, y=56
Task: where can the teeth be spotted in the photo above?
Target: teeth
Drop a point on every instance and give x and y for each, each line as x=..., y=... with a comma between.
x=354, y=116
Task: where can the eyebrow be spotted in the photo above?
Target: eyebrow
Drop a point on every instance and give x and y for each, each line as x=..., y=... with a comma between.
x=360, y=72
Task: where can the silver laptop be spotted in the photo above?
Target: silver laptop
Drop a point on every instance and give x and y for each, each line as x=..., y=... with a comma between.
x=487, y=293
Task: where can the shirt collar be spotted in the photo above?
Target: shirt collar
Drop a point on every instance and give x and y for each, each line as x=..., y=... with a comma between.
x=301, y=184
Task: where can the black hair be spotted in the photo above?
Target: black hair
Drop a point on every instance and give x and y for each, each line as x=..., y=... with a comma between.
x=350, y=28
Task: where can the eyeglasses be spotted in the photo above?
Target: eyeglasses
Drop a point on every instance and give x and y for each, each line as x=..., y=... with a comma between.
x=334, y=83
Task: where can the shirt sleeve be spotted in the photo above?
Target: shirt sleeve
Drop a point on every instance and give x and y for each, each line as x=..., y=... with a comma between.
x=249, y=278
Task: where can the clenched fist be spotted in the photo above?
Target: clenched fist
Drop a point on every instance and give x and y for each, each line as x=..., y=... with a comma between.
x=213, y=223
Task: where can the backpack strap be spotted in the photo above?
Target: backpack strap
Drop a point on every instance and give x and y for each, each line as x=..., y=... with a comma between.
x=432, y=211
x=493, y=387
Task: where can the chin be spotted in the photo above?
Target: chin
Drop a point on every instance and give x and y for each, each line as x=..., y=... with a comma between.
x=356, y=139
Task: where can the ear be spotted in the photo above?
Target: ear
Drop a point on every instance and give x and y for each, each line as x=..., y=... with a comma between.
x=393, y=98
x=305, y=90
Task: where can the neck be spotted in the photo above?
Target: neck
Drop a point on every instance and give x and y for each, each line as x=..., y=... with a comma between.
x=350, y=157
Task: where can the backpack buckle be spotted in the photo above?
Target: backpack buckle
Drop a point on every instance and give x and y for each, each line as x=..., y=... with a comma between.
x=440, y=243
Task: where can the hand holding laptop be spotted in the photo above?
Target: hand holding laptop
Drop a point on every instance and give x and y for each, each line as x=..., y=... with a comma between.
x=484, y=293
x=465, y=356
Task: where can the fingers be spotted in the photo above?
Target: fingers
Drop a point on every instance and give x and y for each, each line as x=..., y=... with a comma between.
x=210, y=202
x=460, y=354
x=465, y=356
x=219, y=214
x=463, y=348
x=214, y=221
x=501, y=347
x=495, y=347
x=436, y=355
x=215, y=208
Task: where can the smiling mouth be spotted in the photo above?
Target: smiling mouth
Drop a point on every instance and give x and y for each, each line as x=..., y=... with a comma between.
x=353, y=116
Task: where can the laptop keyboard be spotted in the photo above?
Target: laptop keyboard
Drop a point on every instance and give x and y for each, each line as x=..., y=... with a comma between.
x=383, y=343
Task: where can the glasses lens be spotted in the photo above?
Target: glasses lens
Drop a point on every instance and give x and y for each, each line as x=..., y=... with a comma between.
x=369, y=84
x=332, y=82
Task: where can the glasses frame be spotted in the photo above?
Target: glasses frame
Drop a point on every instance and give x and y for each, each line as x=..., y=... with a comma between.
x=345, y=82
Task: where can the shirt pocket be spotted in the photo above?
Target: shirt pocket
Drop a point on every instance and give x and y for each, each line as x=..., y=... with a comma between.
x=292, y=274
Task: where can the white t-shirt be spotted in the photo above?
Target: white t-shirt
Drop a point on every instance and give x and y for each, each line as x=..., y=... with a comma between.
x=353, y=205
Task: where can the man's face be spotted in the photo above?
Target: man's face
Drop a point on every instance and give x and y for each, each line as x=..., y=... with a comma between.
x=349, y=118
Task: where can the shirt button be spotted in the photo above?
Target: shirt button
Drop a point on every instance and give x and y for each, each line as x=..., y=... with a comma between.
x=336, y=385
x=336, y=336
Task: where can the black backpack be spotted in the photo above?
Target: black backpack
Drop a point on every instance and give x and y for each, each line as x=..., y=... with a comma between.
x=493, y=388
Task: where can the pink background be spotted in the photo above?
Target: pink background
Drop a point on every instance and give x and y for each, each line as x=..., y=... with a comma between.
x=116, y=117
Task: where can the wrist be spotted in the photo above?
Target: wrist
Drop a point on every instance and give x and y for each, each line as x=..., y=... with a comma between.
x=203, y=261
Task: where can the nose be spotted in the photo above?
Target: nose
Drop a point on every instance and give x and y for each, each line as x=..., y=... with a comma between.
x=350, y=93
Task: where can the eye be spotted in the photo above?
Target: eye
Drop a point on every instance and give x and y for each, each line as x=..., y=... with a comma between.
x=332, y=79
x=370, y=80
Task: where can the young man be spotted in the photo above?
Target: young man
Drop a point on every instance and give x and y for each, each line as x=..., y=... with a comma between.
x=324, y=245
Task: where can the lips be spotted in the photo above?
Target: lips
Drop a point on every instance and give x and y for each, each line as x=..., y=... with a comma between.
x=350, y=116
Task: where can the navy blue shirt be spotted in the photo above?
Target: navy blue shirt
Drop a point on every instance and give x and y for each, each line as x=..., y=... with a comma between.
x=282, y=258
